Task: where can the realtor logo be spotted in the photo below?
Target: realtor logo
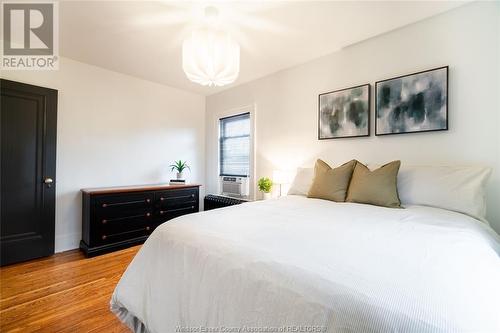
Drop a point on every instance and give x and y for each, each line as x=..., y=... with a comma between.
x=29, y=38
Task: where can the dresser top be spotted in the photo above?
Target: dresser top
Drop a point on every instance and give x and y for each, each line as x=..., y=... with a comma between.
x=135, y=188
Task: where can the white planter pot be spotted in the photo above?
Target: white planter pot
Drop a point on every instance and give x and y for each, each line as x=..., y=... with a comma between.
x=266, y=195
x=180, y=175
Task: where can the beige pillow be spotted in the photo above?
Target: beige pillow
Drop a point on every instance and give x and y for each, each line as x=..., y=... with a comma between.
x=331, y=184
x=377, y=187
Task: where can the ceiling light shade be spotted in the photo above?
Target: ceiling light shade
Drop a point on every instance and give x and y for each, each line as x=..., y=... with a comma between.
x=211, y=57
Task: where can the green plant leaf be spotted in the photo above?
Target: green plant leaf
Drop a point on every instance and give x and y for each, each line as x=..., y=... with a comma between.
x=265, y=184
x=179, y=166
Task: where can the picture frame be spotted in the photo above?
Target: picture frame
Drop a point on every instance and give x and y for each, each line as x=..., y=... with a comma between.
x=345, y=113
x=412, y=103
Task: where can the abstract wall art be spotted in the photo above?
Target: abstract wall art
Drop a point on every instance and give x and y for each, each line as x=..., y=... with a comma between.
x=412, y=103
x=344, y=113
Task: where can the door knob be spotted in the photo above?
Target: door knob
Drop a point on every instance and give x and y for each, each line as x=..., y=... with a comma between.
x=48, y=181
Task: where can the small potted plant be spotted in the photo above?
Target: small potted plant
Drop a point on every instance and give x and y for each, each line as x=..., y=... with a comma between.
x=179, y=166
x=265, y=185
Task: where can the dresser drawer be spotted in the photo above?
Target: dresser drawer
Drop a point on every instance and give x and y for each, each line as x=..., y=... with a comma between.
x=164, y=214
x=102, y=237
x=124, y=223
x=123, y=205
x=177, y=199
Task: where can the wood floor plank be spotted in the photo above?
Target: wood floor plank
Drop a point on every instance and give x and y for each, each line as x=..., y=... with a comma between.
x=24, y=290
x=62, y=293
x=32, y=266
x=70, y=271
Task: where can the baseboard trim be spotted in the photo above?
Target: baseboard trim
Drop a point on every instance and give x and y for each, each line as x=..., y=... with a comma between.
x=67, y=242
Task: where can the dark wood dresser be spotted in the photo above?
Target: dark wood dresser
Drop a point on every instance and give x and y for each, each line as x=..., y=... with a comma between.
x=117, y=217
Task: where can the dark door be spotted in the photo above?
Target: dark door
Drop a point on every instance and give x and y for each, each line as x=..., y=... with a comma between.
x=28, y=170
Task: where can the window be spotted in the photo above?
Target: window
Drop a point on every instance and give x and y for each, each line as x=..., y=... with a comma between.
x=234, y=145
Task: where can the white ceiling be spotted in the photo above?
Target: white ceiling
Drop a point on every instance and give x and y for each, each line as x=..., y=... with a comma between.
x=144, y=38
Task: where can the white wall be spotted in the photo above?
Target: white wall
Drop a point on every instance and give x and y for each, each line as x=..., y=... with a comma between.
x=467, y=39
x=115, y=129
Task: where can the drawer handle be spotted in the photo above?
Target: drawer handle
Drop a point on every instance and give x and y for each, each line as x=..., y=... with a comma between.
x=104, y=205
x=105, y=221
x=175, y=210
x=104, y=237
x=178, y=197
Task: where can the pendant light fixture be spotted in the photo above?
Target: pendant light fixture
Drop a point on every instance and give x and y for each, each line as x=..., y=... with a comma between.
x=210, y=56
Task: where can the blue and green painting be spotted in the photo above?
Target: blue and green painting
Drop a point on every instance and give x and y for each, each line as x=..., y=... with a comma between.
x=412, y=103
x=344, y=113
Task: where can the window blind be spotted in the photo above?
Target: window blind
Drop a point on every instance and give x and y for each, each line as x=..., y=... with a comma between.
x=234, y=145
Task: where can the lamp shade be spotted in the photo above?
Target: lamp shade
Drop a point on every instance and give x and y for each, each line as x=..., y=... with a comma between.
x=282, y=177
x=211, y=57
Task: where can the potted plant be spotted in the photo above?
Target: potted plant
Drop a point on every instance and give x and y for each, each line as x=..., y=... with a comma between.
x=265, y=185
x=179, y=166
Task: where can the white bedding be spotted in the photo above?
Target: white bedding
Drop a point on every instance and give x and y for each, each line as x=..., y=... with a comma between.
x=314, y=265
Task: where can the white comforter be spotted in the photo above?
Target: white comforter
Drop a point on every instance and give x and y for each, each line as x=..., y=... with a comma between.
x=297, y=264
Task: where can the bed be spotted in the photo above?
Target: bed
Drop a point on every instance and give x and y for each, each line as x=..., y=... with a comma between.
x=296, y=264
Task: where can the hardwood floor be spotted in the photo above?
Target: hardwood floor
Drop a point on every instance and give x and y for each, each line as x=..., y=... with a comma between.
x=62, y=293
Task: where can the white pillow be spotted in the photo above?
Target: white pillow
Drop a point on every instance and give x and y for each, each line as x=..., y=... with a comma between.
x=460, y=189
x=302, y=181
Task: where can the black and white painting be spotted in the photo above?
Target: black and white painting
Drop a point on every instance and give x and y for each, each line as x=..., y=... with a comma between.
x=344, y=113
x=412, y=103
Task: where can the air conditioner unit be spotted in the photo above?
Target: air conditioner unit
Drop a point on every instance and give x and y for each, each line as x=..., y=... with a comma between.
x=234, y=186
